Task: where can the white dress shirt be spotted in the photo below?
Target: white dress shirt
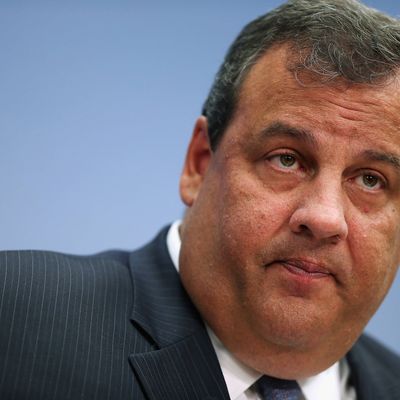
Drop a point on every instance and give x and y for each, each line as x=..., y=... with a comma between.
x=331, y=384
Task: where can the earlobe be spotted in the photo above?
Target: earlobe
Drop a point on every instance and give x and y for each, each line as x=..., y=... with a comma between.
x=196, y=163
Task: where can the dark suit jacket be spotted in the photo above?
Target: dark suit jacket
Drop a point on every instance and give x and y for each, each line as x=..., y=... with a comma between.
x=120, y=326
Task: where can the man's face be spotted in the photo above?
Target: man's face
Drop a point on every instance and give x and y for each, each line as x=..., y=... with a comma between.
x=292, y=235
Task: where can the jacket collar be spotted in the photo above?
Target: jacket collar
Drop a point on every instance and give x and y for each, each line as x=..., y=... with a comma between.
x=161, y=306
x=185, y=365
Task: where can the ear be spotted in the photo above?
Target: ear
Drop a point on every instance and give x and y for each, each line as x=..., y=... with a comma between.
x=196, y=163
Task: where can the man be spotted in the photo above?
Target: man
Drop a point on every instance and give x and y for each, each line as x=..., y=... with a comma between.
x=290, y=241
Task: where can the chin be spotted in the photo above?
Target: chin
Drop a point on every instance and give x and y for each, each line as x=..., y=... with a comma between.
x=298, y=326
x=297, y=337
x=294, y=353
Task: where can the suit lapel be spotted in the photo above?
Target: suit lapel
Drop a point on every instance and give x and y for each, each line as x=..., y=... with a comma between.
x=185, y=370
x=184, y=366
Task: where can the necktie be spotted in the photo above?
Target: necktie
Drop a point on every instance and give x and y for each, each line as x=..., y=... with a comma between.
x=278, y=389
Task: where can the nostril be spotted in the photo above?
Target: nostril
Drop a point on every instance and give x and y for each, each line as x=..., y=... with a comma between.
x=336, y=238
x=303, y=228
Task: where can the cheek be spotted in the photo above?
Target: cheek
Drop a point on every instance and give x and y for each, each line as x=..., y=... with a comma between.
x=384, y=234
x=375, y=247
x=250, y=215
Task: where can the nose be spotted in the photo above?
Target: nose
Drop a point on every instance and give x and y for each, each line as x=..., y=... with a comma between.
x=320, y=214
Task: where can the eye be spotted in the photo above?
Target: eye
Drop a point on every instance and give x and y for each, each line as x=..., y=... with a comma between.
x=285, y=161
x=370, y=181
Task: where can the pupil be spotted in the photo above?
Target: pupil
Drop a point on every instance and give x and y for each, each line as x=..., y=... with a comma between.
x=370, y=180
x=287, y=160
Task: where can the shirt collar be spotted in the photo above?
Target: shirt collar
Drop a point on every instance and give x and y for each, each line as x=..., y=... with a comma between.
x=174, y=243
x=238, y=377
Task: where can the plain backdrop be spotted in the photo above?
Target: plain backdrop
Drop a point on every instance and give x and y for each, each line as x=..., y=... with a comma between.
x=97, y=104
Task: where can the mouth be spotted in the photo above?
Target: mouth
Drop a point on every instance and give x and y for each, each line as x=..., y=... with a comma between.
x=305, y=268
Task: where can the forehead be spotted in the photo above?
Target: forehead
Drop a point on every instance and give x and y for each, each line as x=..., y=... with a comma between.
x=358, y=110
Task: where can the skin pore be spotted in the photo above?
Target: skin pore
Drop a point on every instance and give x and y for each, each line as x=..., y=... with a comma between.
x=291, y=239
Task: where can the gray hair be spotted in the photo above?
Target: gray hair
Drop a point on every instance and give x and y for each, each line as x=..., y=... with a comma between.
x=330, y=38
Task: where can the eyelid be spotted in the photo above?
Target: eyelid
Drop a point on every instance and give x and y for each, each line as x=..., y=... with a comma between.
x=282, y=152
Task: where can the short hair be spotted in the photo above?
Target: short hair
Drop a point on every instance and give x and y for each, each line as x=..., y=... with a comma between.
x=331, y=38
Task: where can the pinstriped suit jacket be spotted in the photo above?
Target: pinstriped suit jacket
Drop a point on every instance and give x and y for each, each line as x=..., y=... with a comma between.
x=120, y=326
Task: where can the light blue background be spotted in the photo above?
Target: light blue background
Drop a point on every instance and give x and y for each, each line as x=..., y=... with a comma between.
x=97, y=104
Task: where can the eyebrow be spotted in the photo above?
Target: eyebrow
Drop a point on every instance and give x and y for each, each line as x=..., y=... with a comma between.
x=387, y=158
x=279, y=128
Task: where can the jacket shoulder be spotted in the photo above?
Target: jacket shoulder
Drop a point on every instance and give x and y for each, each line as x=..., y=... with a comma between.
x=68, y=330
x=44, y=274
x=50, y=259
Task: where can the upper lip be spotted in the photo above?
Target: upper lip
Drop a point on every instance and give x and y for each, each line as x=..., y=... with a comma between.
x=307, y=265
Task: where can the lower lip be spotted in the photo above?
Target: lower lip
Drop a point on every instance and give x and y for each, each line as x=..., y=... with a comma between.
x=301, y=272
x=297, y=282
x=303, y=276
